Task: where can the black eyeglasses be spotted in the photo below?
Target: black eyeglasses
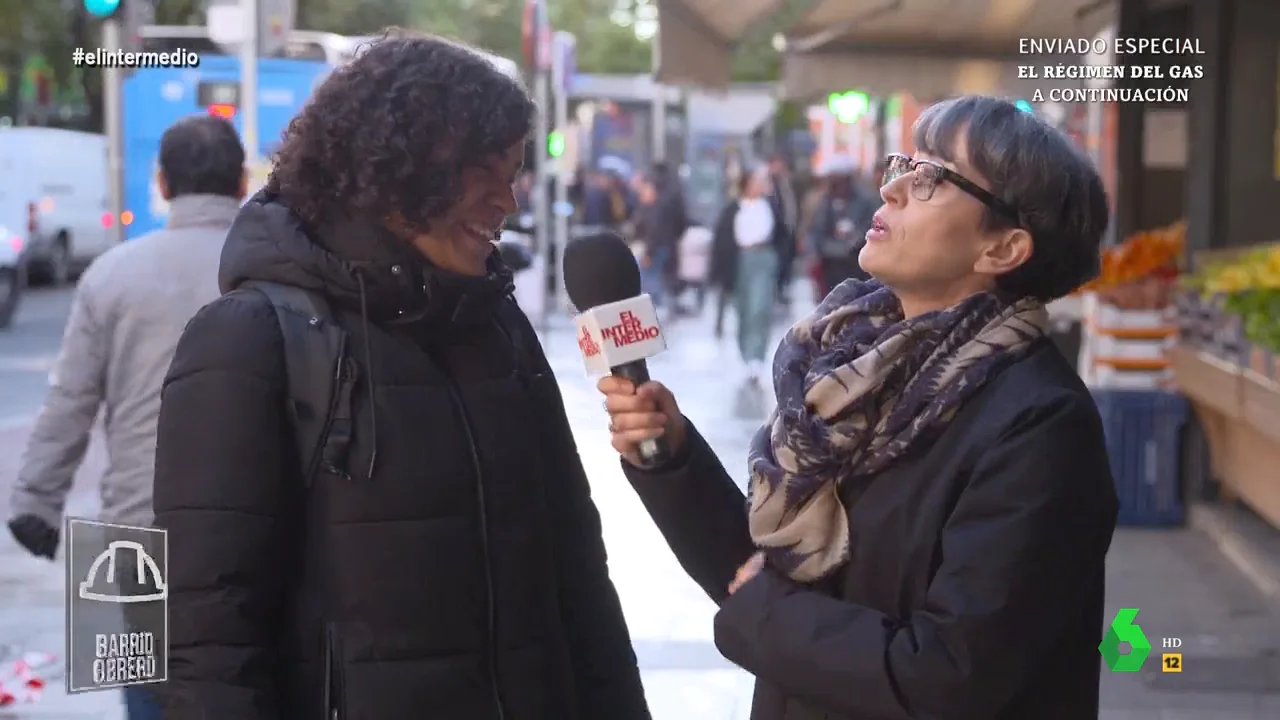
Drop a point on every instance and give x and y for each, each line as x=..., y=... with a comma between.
x=928, y=175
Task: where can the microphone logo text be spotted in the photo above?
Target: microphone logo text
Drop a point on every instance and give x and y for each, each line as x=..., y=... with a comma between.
x=629, y=330
x=587, y=345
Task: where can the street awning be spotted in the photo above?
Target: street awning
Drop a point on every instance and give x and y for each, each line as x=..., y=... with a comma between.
x=929, y=48
x=697, y=38
x=809, y=76
x=737, y=112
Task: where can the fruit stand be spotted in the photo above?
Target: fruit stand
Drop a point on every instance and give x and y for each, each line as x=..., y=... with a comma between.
x=1128, y=318
x=1227, y=362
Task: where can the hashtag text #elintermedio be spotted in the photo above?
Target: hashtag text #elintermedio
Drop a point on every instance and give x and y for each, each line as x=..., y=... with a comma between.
x=101, y=57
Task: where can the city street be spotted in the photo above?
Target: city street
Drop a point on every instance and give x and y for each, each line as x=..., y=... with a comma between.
x=1183, y=587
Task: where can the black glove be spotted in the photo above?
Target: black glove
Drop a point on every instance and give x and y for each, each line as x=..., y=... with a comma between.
x=37, y=536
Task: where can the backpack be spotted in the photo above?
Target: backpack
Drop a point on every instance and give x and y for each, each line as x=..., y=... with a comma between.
x=320, y=378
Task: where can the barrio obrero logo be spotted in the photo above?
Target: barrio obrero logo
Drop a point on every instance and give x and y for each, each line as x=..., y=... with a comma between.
x=144, y=564
x=117, y=605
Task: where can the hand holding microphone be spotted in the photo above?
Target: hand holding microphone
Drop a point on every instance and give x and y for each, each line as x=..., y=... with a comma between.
x=617, y=329
x=641, y=414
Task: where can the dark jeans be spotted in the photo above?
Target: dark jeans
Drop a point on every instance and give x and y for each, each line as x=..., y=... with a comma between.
x=786, y=266
x=722, y=304
x=653, y=279
x=140, y=703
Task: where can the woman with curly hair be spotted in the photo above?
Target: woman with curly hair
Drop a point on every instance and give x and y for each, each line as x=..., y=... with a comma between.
x=448, y=563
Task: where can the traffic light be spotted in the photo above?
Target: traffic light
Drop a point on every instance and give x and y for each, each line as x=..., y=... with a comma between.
x=848, y=106
x=103, y=9
x=1024, y=106
x=555, y=143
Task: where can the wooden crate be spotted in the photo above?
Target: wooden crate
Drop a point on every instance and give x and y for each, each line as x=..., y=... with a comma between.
x=1124, y=348
x=1240, y=412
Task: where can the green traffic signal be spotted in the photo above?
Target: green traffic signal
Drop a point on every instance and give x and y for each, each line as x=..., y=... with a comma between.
x=102, y=8
x=555, y=144
x=1023, y=105
x=848, y=106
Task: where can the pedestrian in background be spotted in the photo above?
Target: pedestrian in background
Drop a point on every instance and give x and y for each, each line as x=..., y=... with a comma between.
x=840, y=225
x=815, y=194
x=431, y=550
x=734, y=180
x=645, y=241
x=669, y=220
x=620, y=198
x=744, y=265
x=786, y=208
x=597, y=202
x=129, y=310
x=695, y=262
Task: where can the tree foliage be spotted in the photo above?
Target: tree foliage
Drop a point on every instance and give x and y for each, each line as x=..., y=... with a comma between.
x=606, y=32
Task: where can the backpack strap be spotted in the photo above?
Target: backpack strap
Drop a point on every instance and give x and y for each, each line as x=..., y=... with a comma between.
x=320, y=379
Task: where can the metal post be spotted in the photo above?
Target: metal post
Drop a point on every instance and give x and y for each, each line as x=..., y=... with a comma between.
x=113, y=119
x=659, y=103
x=251, y=10
x=541, y=195
x=563, y=42
x=542, y=56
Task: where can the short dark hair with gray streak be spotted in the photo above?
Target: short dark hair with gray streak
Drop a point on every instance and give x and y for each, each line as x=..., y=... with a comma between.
x=1058, y=195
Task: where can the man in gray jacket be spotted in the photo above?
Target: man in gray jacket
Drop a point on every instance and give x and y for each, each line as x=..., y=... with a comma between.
x=130, y=308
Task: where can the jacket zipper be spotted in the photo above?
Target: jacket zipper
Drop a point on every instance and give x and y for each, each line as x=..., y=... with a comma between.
x=482, y=508
x=334, y=691
x=317, y=457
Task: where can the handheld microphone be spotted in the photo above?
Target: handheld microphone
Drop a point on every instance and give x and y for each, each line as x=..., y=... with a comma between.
x=617, y=325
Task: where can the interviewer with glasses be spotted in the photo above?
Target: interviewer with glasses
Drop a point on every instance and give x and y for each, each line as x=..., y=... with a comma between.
x=929, y=508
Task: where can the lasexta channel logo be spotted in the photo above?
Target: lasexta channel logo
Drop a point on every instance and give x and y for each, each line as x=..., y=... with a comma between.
x=1123, y=629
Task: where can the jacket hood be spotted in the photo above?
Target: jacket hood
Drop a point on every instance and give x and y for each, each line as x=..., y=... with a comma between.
x=358, y=266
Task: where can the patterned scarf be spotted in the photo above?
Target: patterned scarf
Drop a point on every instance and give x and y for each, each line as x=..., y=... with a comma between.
x=858, y=387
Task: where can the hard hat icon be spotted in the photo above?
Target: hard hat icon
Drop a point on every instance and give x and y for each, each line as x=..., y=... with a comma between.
x=145, y=565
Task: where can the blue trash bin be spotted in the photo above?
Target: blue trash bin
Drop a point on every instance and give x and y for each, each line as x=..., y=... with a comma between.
x=1144, y=439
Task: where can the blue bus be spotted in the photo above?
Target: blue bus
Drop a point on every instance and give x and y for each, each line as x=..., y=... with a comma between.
x=155, y=98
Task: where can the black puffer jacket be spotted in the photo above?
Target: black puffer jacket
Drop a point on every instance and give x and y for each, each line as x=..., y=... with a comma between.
x=464, y=578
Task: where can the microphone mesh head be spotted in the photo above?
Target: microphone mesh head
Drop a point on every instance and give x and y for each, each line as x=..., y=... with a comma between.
x=600, y=269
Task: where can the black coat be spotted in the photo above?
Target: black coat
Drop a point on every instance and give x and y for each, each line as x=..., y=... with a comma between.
x=975, y=588
x=468, y=570
x=666, y=220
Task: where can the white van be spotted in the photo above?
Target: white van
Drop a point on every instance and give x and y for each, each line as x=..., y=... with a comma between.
x=12, y=272
x=54, y=195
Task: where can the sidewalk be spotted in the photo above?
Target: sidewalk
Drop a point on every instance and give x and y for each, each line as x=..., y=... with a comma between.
x=1182, y=585
x=33, y=610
